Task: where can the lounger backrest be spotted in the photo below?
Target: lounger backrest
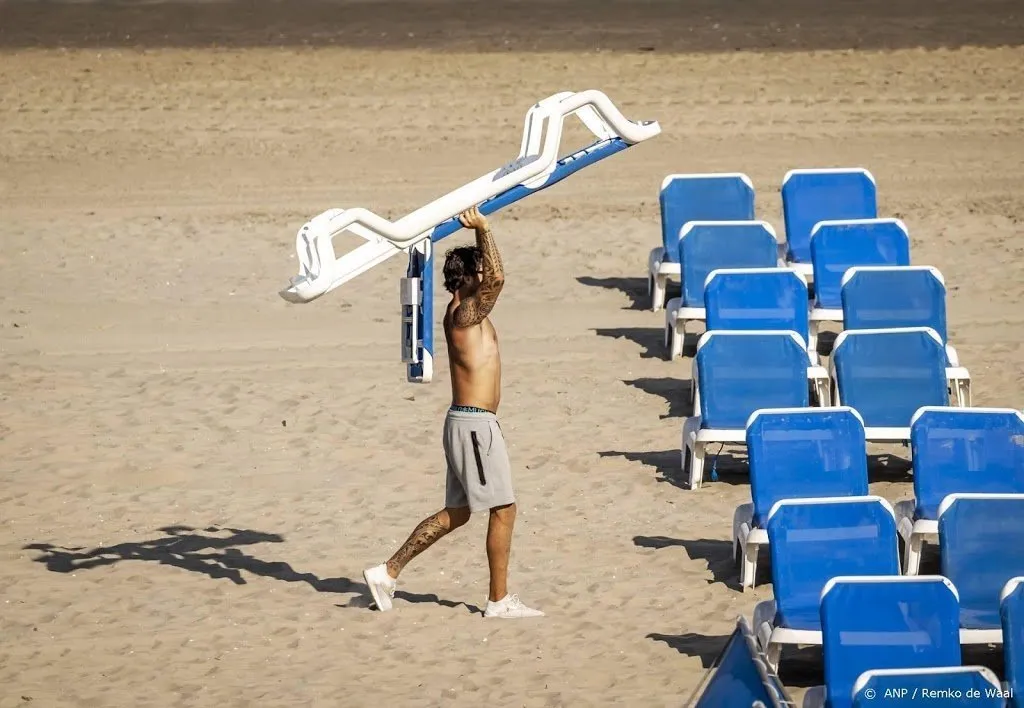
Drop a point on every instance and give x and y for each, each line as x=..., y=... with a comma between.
x=886, y=297
x=946, y=687
x=805, y=453
x=742, y=677
x=702, y=197
x=810, y=196
x=739, y=372
x=756, y=298
x=965, y=450
x=814, y=540
x=1011, y=615
x=885, y=623
x=837, y=246
x=981, y=546
x=705, y=246
x=887, y=375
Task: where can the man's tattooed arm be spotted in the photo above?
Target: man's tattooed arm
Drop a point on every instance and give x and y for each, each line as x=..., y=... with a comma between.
x=473, y=310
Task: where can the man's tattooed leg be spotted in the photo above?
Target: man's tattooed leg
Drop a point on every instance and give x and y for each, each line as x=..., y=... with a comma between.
x=423, y=537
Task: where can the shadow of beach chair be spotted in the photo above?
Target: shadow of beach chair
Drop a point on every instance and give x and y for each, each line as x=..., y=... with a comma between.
x=796, y=453
x=693, y=197
x=967, y=450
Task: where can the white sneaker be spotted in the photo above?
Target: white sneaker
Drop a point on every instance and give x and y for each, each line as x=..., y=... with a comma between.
x=382, y=586
x=510, y=607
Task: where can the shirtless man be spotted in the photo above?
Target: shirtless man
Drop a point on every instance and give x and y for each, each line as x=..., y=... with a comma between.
x=479, y=473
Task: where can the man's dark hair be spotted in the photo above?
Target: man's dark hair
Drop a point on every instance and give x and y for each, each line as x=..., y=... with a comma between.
x=460, y=264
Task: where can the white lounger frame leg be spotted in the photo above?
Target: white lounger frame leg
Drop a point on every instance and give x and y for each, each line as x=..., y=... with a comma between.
x=676, y=318
x=960, y=384
x=658, y=272
x=694, y=443
x=959, y=378
x=746, y=544
x=773, y=640
x=914, y=534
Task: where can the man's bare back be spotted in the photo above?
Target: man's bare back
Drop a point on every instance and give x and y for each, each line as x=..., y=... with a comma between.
x=474, y=359
x=475, y=363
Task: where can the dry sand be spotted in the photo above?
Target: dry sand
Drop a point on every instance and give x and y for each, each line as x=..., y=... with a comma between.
x=195, y=472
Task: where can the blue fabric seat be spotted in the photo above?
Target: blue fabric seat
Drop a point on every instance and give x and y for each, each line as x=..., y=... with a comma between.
x=693, y=197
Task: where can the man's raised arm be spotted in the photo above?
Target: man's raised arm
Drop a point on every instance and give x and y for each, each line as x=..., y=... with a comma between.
x=472, y=310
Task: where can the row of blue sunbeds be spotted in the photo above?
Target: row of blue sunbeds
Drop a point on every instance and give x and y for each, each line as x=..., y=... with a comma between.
x=886, y=640
x=811, y=199
x=892, y=375
x=821, y=453
x=886, y=375
x=709, y=227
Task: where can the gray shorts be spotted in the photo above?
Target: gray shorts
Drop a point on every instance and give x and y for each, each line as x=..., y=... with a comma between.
x=479, y=472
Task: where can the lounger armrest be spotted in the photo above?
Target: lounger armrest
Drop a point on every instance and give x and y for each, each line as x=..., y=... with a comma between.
x=959, y=380
x=833, y=383
x=742, y=518
x=822, y=383
x=952, y=356
x=654, y=258
x=903, y=510
x=957, y=372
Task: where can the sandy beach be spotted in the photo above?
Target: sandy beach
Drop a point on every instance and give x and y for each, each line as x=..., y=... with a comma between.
x=194, y=472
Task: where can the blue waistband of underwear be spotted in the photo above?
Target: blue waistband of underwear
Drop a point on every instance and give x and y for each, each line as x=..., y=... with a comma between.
x=469, y=409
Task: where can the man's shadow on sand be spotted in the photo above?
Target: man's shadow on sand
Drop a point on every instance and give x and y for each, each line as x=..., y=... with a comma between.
x=210, y=552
